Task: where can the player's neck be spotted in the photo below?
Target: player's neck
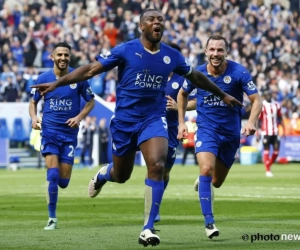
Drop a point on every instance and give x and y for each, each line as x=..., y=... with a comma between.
x=59, y=73
x=149, y=46
x=216, y=71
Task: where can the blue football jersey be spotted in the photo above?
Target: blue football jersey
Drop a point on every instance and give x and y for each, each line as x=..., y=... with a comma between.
x=61, y=104
x=173, y=86
x=143, y=77
x=212, y=113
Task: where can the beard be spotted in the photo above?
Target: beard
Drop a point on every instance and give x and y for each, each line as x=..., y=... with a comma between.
x=61, y=68
x=153, y=39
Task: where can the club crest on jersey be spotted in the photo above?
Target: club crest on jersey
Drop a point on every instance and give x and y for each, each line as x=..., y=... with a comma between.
x=227, y=79
x=175, y=85
x=167, y=60
x=73, y=86
x=198, y=144
x=251, y=85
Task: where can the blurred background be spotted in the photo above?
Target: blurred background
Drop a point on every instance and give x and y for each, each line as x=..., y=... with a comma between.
x=264, y=36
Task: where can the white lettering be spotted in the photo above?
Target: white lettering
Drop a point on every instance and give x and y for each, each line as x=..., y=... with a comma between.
x=213, y=100
x=148, y=81
x=60, y=104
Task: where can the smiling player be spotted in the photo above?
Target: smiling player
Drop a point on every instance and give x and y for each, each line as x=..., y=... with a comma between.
x=61, y=118
x=219, y=126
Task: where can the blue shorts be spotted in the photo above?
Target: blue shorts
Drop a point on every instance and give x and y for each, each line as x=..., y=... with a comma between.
x=223, y=147
x=127, y=136
x=60, y=145
x=171, y=157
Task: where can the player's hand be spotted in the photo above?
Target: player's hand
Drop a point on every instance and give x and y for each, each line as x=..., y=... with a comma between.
x=44, y=88
x=182, y=132
x=249, y=129
x=73, y=122
x=36, y=124
x=231, y=101
x=171, y=104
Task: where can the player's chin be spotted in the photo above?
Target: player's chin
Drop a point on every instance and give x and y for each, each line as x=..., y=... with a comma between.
x=215, y=63
x=156, y=37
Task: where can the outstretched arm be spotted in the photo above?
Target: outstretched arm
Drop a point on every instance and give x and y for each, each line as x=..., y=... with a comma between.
x=201, y=81
x=78, y=75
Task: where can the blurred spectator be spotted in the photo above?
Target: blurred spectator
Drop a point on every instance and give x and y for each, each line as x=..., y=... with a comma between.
x=11, y=91
x=103, y=141
x=264, y=35
x=88, y=130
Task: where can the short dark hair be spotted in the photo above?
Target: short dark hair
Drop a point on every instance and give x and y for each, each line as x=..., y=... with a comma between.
x=145, y=11
x=218, y=37
x=175, y=46
x=62, y=44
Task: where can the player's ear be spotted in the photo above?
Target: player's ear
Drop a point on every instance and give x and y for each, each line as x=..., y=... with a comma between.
x=52, y=57
x=141, y=27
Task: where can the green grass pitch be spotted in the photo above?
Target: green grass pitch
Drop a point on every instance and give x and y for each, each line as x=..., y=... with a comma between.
x=247, y=203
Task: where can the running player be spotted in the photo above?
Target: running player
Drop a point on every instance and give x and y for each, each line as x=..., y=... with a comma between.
x=61, y=118
x=219, y=126
x=144, y=66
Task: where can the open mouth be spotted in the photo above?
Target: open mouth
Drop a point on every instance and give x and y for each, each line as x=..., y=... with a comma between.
x=62, y=64
x=157, y=30
x=215, y=60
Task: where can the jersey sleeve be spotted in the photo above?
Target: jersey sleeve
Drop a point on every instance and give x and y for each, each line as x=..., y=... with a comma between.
x=193, y=94
x=112, y=58
x=182, y=67
x=86, y=91
x=34, y=94
x=188, y=87
x=248, y=85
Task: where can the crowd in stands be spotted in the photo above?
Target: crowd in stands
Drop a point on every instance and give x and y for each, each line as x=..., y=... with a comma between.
x=264, y=36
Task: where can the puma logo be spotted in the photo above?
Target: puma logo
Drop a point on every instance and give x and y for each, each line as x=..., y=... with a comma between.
x=137, y=54
x=205, y=198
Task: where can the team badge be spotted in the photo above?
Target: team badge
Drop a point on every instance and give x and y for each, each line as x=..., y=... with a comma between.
x=175, y=85
x=198, y=144
x=42, y=147
x=251, y=85
x=227, y=79
x=73, y=86
x=167, y=60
